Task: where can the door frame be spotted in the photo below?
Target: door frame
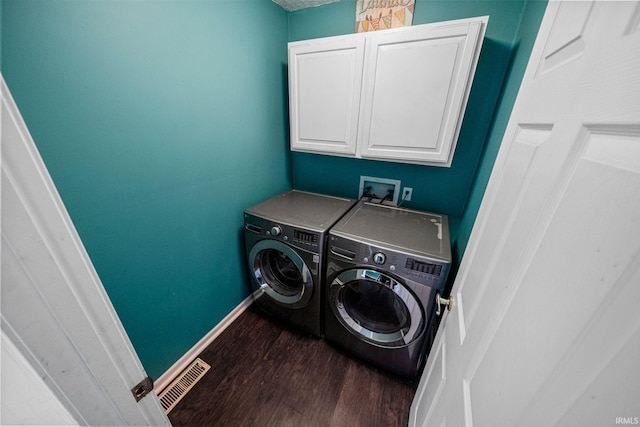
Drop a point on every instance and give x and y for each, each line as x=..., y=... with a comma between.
x=55, y=310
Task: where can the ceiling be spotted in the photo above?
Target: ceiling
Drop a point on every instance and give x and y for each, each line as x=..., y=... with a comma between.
x=292, y=5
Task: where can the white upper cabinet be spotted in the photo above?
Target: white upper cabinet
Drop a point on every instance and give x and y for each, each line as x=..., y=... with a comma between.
x=325, y=78
x=396, y=95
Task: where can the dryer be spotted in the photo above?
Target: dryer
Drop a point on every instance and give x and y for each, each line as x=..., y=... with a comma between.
x=384, y=267
x=285, y=240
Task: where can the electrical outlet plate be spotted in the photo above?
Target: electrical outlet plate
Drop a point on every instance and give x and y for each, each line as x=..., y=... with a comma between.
x=379, y=190
x=407, y=193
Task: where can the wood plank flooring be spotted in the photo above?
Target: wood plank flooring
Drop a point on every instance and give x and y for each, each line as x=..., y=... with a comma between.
x=264, y=374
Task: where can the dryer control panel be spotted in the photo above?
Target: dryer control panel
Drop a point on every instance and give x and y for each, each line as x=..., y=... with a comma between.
x=431, y=272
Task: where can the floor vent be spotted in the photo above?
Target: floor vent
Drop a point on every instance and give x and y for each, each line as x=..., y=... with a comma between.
x=181, y=385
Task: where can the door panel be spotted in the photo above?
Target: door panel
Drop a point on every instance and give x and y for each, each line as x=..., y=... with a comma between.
x=491, y=253
x=566, y=42
x=434, y=375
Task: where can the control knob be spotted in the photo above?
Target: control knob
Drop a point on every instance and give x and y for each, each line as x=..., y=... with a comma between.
x=276, y=230
x=379, y=258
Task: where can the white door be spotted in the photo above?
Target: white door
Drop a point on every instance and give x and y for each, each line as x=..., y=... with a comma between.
x=55, y=311
x=544, y=328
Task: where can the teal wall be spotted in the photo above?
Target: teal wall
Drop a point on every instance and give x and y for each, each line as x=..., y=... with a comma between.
x=159, y=121
x=508, y=41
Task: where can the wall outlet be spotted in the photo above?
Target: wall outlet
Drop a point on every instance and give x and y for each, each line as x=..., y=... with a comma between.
x=379, y=190
x=407, y=192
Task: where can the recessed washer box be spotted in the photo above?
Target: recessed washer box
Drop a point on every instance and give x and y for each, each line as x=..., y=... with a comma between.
x=379, y=190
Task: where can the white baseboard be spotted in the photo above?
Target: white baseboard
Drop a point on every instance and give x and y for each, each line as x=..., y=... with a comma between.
x=182, y=363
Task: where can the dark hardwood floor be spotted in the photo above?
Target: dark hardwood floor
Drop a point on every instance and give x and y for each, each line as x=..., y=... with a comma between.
x=264, y=374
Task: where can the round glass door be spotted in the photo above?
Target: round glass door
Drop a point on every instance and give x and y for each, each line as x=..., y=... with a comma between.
x=376, y=307
x=281, y=273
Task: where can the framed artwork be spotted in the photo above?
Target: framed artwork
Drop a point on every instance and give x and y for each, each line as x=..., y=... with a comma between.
x=374, y=15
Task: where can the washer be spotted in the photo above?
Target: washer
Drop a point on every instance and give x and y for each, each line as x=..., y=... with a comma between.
x=285, y=239
x=384, y=267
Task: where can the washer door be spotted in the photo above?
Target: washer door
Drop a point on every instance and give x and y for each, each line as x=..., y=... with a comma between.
x=281, y=273
x=376, y=307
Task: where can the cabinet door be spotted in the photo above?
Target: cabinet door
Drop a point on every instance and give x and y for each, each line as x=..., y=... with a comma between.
x=415, y=91
x=325, y=80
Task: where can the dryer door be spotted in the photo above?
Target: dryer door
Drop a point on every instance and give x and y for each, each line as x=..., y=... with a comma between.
x=376, y=307
x=280, y=272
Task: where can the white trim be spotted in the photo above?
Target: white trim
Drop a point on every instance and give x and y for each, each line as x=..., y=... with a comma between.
x=182, y=363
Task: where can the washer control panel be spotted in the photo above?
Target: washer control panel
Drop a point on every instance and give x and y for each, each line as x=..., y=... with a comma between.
x=379, y=258
x=276, y=230
x=307, y=239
